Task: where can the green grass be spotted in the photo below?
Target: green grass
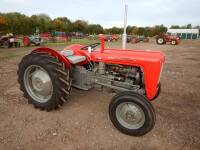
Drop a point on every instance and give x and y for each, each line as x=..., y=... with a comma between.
x=73, y=41
x=9, y=54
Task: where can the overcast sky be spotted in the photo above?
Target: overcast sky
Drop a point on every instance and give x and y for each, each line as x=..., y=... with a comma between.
x=110, y=12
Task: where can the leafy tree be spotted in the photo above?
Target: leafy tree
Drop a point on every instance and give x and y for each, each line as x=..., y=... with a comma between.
x=129, y=29
x=160, y=29
x=95, y=29
x=141, y=31
x=63, y=24
x=44, y=16
x=148, y=31
x=18, y=23
x=189, y=26
x=134, y=31
x=42, y=22
x=2, y=20
x=114, y=30
x=175, y=27
x=80, y=26
x=3, y=24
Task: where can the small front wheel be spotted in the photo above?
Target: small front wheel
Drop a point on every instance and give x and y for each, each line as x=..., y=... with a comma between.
x=132, y=113
x=173, y=42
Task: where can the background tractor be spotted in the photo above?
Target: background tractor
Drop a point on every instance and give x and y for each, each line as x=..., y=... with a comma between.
x=111, y=37
x=167, y=38
x=32, y=40
x=9, y=41
x=136, y=39
x=46, y=78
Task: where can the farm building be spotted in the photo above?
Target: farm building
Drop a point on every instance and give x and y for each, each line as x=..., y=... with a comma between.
x=185, y=33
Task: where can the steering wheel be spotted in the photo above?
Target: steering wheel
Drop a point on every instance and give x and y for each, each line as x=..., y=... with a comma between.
x=91, y=45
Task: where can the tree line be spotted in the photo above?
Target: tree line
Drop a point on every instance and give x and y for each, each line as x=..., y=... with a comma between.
x=21, y=24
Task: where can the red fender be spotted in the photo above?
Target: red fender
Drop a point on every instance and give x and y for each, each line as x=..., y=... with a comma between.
x=55, y=54
x=26, y=41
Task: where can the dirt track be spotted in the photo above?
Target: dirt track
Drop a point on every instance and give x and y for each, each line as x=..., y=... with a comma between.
x=83, y=122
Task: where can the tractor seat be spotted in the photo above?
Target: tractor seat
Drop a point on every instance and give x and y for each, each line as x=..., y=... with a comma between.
x=74, y=59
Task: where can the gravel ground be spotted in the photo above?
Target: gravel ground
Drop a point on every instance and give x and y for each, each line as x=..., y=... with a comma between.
x=83, y=122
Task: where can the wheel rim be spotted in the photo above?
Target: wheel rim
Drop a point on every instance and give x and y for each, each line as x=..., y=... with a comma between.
x=173, y=42
x=130, y=115
x=38, y=83
x=160, y=40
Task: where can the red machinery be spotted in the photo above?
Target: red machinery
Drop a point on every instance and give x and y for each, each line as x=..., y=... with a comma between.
x=33, y=39
x=9, y=41
x=46, y=36
x=167, y=38
x=46, y=77
x=136, y=39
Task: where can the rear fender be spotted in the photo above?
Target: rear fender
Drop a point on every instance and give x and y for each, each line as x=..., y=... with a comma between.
x=55, y=54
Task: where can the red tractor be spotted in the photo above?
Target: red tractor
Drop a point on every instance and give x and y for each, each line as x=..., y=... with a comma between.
x=136, y=39
x=111, y=38
x=167, y=38
x=46, y=77
x=33, y=39
x=9, y=41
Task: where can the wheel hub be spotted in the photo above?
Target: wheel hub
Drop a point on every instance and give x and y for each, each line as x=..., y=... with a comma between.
x=130, y=115
x=41, y=82
x=38, y=83
x=160, y=40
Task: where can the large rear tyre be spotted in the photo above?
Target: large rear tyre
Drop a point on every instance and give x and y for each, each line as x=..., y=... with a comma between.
x=160, y=40
x=6, y=45
x=44, y=80
x=132, y=113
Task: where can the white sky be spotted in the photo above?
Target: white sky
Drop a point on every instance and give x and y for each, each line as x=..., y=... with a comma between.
x=109, y=13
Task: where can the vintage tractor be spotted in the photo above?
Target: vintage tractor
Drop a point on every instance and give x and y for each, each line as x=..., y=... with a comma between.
x=32, y=40
x=167, y=38
x=111, y=37
x=9, y=41
x=46, y=77
x=136, y=39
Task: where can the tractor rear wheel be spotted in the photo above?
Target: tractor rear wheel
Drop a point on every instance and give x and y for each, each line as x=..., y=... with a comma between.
x=6, y=44
x=160, y=40
x=44, y=80
x=132, y=113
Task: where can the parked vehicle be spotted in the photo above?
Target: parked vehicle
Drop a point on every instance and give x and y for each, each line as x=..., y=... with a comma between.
x=32, y=40
x=136, y=39
x=111, y=37
x=167, y=38
x=8, y=41
x=46, y=77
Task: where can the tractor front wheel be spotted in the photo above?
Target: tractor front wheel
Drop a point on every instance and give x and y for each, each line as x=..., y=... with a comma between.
x=173, y=42
x=132, y=113
x=44, y=80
